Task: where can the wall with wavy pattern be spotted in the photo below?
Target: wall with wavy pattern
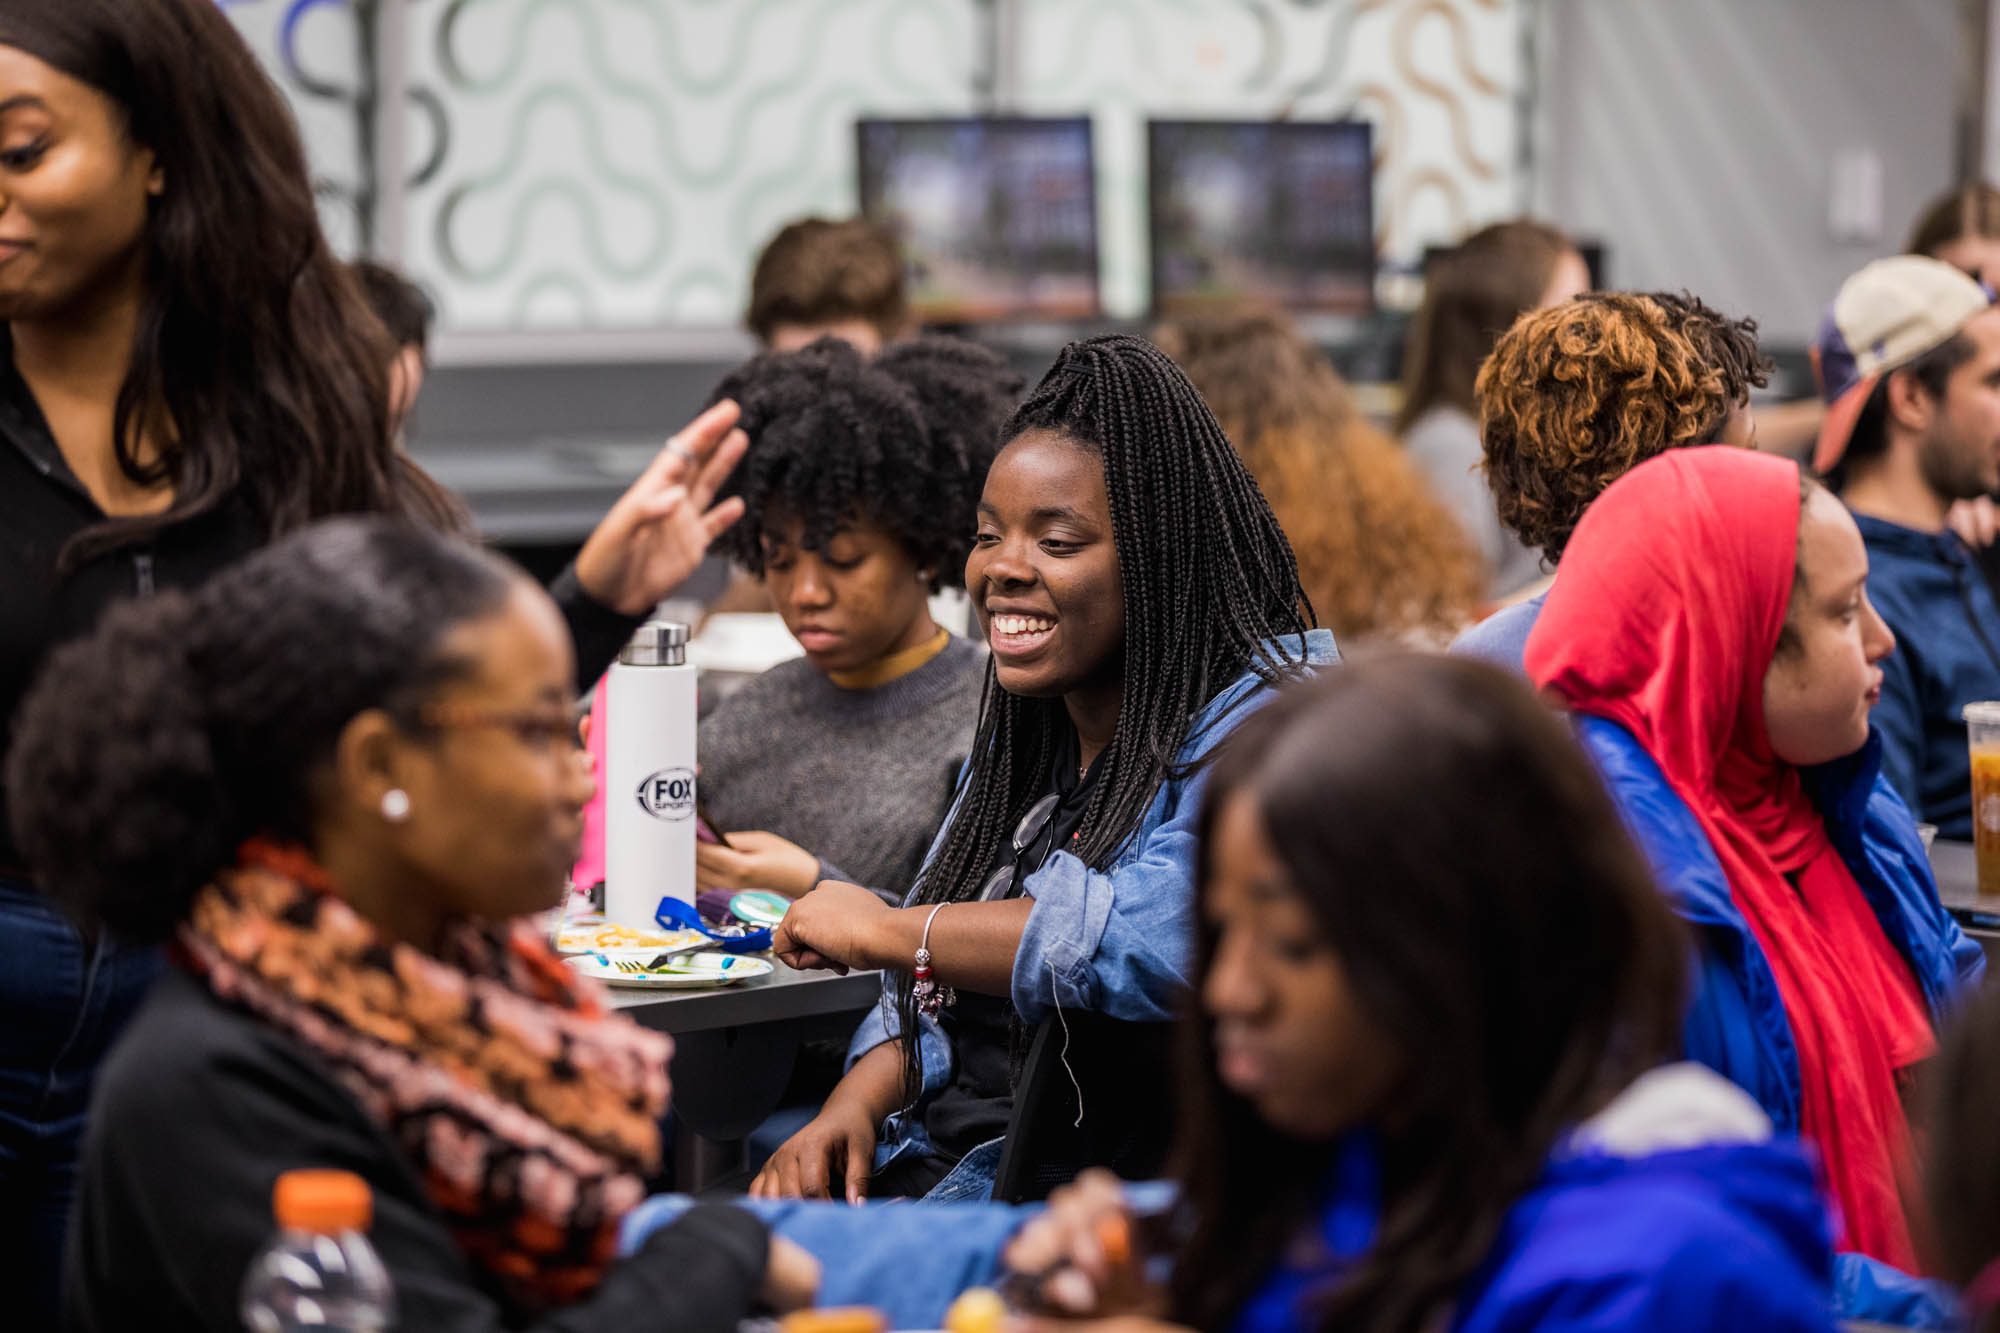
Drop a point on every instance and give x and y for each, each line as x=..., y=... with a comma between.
x=313, y=50
x=1439, y=79
x=615, y=163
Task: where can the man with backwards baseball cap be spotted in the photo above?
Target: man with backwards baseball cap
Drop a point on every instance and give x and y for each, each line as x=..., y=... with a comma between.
x=1909, y=364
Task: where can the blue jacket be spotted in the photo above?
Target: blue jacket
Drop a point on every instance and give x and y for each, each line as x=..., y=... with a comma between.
x=1119, y=941
x=1736, y=1024
x=1947, y=656
x=1705, y=1238
x=1711, y=1237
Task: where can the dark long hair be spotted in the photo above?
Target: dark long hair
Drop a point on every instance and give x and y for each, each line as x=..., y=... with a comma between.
x=1211, y=590
x=150, y=749
x=1472, y=294
x=1962, y=1158
x=1378, y=553
x=1965, y=210
x=253, y=340
x=1491, y=916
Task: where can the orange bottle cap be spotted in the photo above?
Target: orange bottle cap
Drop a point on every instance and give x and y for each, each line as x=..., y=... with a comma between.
x=835, y=1319
x=322, y=1201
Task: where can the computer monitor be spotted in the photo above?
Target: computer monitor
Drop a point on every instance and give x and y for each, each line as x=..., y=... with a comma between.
x=1275, y=211
x=997, y=215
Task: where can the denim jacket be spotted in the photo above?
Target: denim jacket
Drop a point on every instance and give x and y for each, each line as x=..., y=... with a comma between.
x=1116, y=941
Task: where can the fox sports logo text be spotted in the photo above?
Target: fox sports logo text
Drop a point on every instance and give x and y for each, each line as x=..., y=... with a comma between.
x=668, y=794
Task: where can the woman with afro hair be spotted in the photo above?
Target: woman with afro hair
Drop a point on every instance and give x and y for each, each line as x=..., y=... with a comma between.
x=859, y=488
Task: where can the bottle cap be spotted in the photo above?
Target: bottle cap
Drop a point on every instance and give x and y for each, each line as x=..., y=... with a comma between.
x=324, y=1202
x=835, y=1319
x=656, y=643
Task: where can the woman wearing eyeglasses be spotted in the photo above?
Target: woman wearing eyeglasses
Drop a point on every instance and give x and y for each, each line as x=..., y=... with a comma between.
x=1137, y=596
x=334, y=782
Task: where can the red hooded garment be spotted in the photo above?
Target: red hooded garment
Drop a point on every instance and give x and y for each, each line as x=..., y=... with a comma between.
x=1664, y=619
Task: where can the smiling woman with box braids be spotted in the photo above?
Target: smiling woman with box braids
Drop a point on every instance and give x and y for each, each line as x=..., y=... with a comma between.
x=1139, y=601
x=1211, y=590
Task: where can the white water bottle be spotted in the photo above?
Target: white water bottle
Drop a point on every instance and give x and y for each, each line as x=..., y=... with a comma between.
x=649, y=775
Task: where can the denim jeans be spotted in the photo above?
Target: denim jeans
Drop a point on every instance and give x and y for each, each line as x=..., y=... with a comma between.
x=971, y=1181
x=63, y=1001
x=908, y=1259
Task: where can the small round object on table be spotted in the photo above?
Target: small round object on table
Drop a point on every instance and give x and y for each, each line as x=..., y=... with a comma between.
x=760, y=907
x=977, y=1310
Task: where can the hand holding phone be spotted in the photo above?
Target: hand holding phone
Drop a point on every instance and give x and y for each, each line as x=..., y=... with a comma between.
x=706, y=829
x=753, y=859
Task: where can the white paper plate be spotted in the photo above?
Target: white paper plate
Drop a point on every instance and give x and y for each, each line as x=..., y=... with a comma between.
x=691, y=972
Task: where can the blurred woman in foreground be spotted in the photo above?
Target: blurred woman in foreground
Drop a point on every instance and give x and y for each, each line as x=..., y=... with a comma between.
x=335, y=782
x=1439, y=1107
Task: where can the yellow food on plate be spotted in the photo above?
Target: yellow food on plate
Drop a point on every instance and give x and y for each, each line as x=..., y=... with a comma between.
x=978, y=1310
x=587, y=933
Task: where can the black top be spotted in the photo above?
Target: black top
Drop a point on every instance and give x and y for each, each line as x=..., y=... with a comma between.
x=199, y=1110
x=43, y=505
x=975, y=1106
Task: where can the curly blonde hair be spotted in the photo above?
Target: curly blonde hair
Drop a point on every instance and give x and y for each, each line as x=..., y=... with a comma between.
x=1575, y=396
x=1378, y=555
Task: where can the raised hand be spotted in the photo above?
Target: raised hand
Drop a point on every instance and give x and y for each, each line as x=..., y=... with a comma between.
x=659, y=530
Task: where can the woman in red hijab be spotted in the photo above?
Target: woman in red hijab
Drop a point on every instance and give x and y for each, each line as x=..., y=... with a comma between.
x=1713, y=630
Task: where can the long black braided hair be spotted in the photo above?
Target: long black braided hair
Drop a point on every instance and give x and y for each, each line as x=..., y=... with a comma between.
x=1211, y=590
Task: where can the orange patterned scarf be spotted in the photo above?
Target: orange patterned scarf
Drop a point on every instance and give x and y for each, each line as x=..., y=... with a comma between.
x=530, y=1114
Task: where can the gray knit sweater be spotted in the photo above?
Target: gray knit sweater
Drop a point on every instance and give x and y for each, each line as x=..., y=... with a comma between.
x=859, y=778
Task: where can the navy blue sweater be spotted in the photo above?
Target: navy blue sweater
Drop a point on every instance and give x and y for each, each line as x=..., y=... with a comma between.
x=1947, y=655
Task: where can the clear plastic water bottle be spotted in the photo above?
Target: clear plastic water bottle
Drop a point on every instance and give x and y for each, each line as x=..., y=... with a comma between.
x=319, y=1271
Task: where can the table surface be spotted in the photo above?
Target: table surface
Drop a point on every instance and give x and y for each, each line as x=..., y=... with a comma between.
x=790, y=994
x=784, y=994
x=1957, y=873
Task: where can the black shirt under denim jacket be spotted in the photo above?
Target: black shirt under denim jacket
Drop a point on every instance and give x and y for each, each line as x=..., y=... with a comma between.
x=975, y=1107
x=43, y=505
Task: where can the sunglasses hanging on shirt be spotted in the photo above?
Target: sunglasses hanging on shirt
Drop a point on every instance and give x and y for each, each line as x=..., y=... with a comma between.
x=1000, y=883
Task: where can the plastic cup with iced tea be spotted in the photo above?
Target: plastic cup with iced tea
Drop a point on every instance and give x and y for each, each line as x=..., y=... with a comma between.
x=1982, y=726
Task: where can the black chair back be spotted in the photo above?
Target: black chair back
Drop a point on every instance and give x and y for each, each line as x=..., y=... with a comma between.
x=1126, y=1073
